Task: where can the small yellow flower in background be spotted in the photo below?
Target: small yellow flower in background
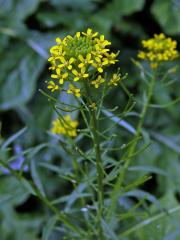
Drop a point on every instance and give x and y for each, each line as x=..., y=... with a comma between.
x=116, y=78
x=75, y=58
x=98, y=81
x=73, y=90
x=65, y=126
x=158, y=49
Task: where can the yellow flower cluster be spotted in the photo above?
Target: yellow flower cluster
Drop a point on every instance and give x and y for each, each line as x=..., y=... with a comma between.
x=158, y=49
x=76, y=58
x=65, y=126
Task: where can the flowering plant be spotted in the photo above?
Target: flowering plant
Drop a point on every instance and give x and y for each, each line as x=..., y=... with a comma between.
x=96, y=207
x=79, y=64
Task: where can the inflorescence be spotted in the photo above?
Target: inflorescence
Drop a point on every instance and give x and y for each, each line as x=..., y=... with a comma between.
x=65, y=126
x=158, y=49
x=78, y=58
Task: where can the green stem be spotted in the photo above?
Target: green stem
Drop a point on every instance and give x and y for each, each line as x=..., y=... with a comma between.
x=99, y=167
x=60, y=215
x=149, y=220
x=99, y=172
x=132, y=148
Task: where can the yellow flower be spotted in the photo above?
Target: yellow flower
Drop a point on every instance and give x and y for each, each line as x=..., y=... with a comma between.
x=73, y=90
x=99, y=52
x=111, y=58
x=58, y=73
x=85, y=61
x=90, y=33
x=80, y=74
x=61, y=77
x=65, y=126
x=53, y=63
x=158, y=49
x=98, y=81
x=52, y=86
x=66, y=63
x=56, y=51
x=101, y=42
x=115, y=79
x=100, y=63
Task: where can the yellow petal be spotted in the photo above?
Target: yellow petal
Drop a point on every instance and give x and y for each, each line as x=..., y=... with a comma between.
x=78, y=34
x=69, y=91
x=85, y=75
x=71, y=60
x=54, y=76
x=81, y=58
x=74, y=72
x=102, y=37
x=58, y=40
x=61, y=81
x=81, y=65
x=62, y=59
x=65, y=75
x=76, y=79
x=100, y=70
x=58, y=71
x=89, y=31
x=78, y=95
x=88, y=57
x=97, y=59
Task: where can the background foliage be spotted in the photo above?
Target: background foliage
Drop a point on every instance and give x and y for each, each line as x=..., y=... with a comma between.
x=27, y=30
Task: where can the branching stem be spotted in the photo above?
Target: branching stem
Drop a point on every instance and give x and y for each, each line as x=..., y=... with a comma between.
x=132, y=149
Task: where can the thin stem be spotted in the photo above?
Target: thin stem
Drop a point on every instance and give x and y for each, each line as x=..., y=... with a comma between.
x=149, y=220
x=99, y=172
x=60, y=215
x=132, y=148
x=99, y=167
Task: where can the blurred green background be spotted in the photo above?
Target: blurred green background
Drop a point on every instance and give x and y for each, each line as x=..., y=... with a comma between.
x=27, y=30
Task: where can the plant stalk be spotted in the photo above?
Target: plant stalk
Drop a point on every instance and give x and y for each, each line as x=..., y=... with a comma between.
x=99, y=172
x=99, y=167
x=132, y=148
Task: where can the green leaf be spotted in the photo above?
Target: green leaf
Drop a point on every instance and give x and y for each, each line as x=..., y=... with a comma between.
x=11, y=191
x=170, y=19
x=19, y=72
x=113, y=12
x=48, y=228
x=13, y=12
x=124, y=7
x=13, y=138
x=36, y=177
x=77, y=5
x=127, y=7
